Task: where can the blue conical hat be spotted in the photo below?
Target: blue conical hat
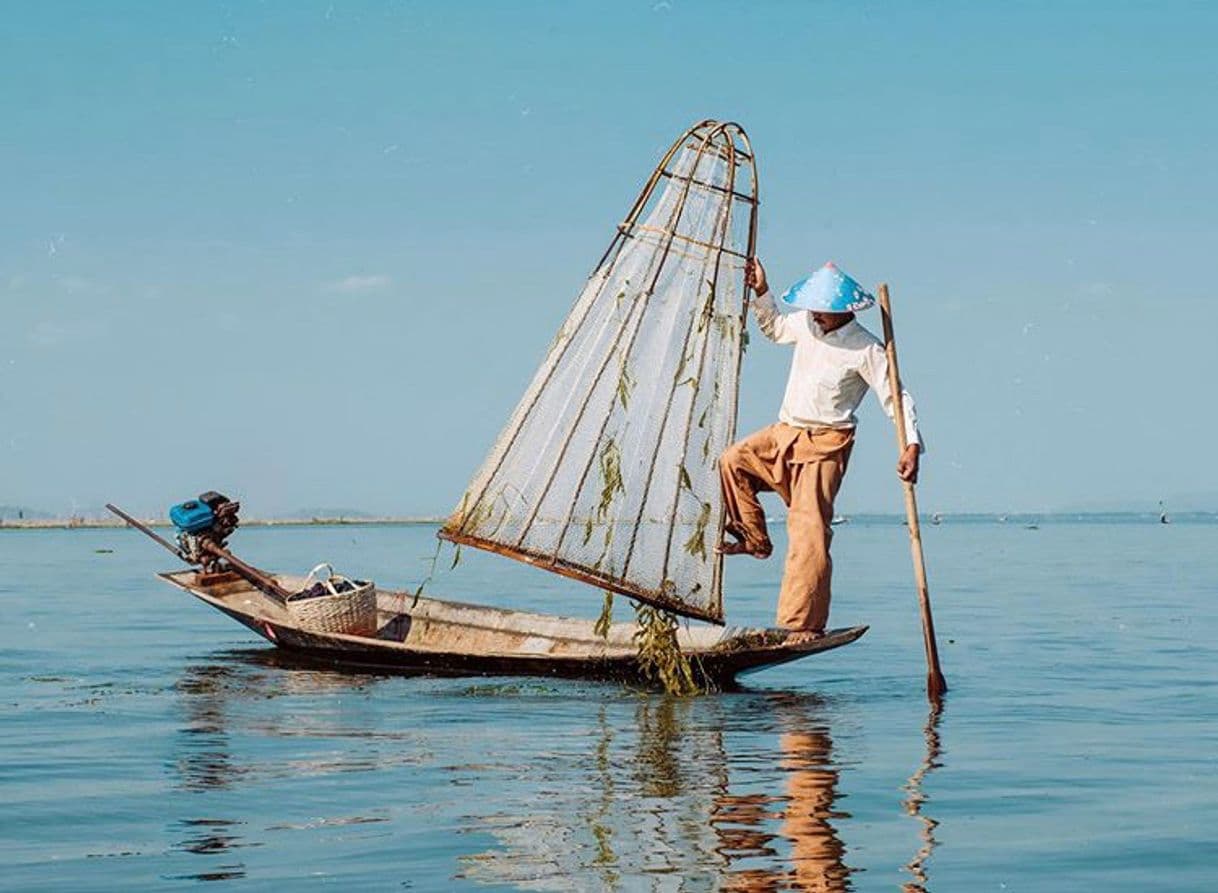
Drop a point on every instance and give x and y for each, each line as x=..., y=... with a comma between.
x=828, y=290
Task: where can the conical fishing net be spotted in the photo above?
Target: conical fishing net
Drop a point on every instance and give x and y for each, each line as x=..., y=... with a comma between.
x=607, y=470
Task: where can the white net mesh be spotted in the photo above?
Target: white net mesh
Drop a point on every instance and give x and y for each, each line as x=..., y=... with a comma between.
x=608, y=469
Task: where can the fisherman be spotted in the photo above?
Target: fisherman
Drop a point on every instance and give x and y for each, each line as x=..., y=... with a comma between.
x=803, y=457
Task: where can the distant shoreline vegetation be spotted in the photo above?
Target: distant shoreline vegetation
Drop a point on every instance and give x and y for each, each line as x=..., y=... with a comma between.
x=79, y=523
x=932, y=519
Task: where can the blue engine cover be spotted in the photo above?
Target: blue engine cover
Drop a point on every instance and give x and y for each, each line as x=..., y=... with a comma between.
x=192, y=517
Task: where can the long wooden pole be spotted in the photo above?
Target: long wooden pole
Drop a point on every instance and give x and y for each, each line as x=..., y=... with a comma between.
x=247, y=572
x=936, y=685
x=144, y=529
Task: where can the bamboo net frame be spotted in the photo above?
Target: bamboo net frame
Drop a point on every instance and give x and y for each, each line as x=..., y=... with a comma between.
x=535, y=495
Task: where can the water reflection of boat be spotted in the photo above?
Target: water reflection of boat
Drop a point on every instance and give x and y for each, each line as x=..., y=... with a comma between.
x=740, y=792
x=216, y=697
x=754, y=820
x=212, y=837
x=225, y=701
x=638, y=806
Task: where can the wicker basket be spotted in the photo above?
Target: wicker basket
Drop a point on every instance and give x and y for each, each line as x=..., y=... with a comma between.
x=351, y=612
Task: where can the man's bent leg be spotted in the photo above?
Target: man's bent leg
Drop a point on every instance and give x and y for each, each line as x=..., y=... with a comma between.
x=745, y=468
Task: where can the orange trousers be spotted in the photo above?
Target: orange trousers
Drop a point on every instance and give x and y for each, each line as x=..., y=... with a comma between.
x=804, y=466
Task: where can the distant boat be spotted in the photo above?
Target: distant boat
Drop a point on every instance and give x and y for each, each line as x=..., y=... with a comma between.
x=936, y=518
x=840, y=519
x=1163, y=519
x=1002, y=519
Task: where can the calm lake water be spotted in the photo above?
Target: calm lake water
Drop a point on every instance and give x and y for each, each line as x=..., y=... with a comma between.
x=148, y=742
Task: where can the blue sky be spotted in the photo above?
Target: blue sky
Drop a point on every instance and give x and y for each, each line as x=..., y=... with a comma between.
x=310, y=253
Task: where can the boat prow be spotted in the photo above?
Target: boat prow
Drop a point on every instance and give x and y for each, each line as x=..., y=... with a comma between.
x=416, y=634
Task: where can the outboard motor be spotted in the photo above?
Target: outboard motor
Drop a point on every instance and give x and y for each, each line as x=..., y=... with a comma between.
x=208, y=520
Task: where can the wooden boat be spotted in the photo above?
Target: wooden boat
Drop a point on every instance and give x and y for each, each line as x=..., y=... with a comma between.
x=428, y=635
x=605, y=473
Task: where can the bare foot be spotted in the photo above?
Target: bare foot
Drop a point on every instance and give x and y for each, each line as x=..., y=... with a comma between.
x=726, y=548
x=803, y=636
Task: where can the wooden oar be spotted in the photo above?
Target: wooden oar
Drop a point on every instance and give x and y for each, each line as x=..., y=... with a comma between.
x=936, y=685
x=247, y=572
x=144, y=529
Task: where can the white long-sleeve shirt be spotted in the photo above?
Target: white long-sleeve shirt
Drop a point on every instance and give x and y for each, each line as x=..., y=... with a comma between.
x=830, y=373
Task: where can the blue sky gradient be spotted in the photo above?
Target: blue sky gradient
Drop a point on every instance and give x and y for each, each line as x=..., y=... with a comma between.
x=311, y=253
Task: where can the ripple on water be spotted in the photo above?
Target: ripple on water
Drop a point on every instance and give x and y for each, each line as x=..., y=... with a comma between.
x=146, y=742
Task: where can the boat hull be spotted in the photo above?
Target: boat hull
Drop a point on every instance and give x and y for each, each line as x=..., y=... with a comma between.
x=434, y=636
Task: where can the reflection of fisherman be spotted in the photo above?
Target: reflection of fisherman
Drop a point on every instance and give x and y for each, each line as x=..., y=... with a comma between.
x=805, y=808
x=817, y=853
x=803, y=457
